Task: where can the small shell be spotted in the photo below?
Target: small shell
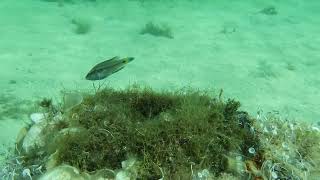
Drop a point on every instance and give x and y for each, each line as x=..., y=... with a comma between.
x=251, y=150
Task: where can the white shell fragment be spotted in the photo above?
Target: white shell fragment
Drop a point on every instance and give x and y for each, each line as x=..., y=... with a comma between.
x=38, y=117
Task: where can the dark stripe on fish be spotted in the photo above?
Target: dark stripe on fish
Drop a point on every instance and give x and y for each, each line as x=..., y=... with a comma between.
x=108, y=67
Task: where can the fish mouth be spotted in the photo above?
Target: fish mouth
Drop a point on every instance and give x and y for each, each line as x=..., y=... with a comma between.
x=127, y=60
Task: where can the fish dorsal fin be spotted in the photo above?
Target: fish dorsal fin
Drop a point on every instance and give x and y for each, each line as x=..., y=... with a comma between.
x=107, y=62
x=114, y=58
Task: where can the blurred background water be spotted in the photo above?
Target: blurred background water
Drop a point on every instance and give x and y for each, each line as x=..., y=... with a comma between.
x=263, y=53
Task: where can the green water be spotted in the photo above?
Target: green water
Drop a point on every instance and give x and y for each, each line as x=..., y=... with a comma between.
x=263, y=53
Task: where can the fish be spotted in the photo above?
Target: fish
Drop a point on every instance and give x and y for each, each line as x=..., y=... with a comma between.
x=108, y=67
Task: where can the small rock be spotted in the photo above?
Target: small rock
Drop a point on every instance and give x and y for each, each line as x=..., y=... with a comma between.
x=34, y=138
x=64, y=172
x=103, y=174
x=12, y=82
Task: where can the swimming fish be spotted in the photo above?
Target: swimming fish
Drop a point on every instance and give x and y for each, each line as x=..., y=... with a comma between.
x=108, y=67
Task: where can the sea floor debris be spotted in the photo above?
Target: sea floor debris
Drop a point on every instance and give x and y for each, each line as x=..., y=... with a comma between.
x=139, y=133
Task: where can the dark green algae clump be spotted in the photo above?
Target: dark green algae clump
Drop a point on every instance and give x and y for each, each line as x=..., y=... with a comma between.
x=170, y=134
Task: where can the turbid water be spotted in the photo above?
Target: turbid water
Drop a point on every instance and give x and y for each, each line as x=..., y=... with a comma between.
x=264, y=54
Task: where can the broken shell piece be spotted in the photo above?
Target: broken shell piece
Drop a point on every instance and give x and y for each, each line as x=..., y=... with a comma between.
x=38, y=117
x=71, y=99
x=52, y=160
x=22, y=133
x=104, y=174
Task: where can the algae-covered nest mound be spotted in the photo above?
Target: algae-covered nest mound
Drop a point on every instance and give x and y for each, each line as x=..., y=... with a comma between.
x=139, y=133
x=166, y=133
